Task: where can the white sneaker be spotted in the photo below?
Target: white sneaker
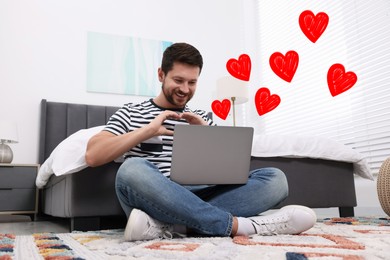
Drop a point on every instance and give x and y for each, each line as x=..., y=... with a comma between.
x=289, y=220
x=141, y=226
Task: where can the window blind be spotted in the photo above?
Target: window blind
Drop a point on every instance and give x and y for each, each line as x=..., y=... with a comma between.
x=358, y=37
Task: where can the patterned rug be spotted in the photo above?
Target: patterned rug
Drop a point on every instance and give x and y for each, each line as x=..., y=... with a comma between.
x=336, y=238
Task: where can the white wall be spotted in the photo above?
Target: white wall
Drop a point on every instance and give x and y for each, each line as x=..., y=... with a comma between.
x=43, y=50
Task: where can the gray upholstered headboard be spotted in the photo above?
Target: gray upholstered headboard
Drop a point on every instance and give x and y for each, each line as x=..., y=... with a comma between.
x=60, y=120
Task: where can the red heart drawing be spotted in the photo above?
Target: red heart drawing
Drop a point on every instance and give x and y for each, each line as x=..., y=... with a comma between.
x=340, y=81
x=241, y=68
x=221, y=109
x=265, y=102
x=284, y=66
x=313, y=25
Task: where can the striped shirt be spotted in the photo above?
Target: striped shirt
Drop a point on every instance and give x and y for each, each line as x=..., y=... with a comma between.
x=157, y=150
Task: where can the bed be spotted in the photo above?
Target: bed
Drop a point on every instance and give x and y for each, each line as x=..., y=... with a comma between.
x=320, y=171
x=68, y=189
x=319, y=175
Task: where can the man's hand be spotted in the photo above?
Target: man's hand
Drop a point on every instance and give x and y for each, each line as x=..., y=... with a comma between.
x=156, y=125
x=193, y=119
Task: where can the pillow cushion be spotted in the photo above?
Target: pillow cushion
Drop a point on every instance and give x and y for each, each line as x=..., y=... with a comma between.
x=299, y=146
x=68, y=157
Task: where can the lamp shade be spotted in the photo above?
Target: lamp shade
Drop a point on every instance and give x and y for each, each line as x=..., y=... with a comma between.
x=8, y=132
x=228, y=87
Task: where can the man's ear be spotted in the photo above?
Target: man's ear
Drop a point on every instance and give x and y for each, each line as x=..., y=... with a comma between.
x=161, y=75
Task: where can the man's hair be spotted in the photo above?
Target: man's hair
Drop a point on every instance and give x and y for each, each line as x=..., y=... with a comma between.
x=183, y=53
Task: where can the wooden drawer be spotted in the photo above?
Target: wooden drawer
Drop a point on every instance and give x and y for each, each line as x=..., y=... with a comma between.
x=18, y=193
x=22, y=177
x=17, y=199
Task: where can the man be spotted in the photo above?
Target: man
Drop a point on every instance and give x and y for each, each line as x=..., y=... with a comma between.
x=158, y=207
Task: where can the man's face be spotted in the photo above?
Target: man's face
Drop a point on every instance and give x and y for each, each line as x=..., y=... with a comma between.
x=179, y=84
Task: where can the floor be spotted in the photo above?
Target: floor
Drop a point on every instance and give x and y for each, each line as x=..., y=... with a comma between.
x=22, y=225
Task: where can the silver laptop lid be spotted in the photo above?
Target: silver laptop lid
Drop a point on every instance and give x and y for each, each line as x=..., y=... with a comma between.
x=211, y=154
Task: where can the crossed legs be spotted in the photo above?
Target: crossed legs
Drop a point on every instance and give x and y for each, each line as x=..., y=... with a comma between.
x=207, y=210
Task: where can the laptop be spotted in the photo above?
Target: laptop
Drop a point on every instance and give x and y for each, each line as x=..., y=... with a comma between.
x=211, y=154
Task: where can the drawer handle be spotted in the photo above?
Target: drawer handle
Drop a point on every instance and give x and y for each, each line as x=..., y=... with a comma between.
x=6, y=189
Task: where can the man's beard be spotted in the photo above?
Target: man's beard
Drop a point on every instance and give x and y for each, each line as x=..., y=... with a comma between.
x=170, y=96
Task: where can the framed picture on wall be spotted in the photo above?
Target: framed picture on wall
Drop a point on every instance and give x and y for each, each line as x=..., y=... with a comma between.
x=123, y=64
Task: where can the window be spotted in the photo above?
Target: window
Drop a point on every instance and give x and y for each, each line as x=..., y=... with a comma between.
x=358, y=37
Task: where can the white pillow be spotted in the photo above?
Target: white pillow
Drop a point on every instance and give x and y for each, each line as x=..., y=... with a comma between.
x=68, y=157
x=44, y=173
x=311, y=147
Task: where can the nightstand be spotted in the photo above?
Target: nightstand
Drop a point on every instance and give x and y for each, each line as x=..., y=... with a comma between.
x=18, y=193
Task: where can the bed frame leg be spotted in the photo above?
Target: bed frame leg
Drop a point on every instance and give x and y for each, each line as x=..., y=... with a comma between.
x=84, y=223
x=346, y=212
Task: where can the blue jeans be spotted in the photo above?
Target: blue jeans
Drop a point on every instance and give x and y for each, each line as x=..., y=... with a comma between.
x=207, y=210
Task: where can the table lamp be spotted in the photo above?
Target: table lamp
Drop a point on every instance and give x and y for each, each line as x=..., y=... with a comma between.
x=233, y=89
x=8, y=134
